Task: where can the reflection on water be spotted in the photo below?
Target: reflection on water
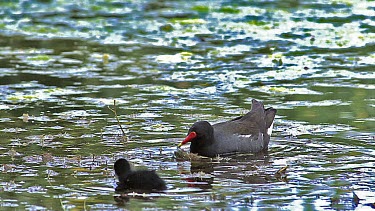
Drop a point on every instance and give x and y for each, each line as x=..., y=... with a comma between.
x=168, y=64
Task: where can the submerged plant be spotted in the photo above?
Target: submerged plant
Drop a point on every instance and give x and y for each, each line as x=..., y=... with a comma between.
x=114, y=110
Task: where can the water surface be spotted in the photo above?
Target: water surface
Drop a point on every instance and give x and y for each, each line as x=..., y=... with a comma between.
x=171, y=63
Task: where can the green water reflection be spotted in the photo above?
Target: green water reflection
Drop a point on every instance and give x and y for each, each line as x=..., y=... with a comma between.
x=171, y=63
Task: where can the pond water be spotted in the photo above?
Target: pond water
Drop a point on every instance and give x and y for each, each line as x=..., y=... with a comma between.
x=171, y=63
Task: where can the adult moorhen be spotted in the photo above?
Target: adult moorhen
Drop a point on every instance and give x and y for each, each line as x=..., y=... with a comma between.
x=142, y=180
x=245, y=134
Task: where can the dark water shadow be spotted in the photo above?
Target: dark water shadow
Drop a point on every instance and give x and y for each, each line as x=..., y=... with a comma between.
x=245, y=168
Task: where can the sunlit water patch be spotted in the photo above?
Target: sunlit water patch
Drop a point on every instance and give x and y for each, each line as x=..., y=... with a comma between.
x=73, y=73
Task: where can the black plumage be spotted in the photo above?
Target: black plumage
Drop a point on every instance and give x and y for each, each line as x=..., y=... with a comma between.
x=141, y=180
x=245, y=134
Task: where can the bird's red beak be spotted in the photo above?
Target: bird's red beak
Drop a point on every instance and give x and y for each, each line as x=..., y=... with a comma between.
x=188, y=138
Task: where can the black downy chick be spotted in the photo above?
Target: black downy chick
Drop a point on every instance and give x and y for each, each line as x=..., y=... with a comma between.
x=141, y=180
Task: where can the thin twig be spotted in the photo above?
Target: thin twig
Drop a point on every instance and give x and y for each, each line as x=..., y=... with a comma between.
x=282, y=170
x=114, y=110
x=61, y=202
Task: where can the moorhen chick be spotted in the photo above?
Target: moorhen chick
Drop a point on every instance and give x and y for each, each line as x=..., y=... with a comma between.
x=245, y=134
x=141, y=180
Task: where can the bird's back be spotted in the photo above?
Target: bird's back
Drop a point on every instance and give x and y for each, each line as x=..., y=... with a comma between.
x=142, y=180
x=247, y=133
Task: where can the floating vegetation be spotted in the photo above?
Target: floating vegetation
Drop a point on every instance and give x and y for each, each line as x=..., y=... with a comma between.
x=229, y=10
x=183, y=155
x=169, y=64
x=177, y=58
x=277, y=59
x=159, y=127
x=189, y=21
x=41, y=29
x=281, y=174
x=286, y=90
x=38, y=95
x=40, y=58
x=166, y=28
x=201, y=8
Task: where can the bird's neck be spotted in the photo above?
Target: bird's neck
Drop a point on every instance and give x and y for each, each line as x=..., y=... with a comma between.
x=200, y=145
